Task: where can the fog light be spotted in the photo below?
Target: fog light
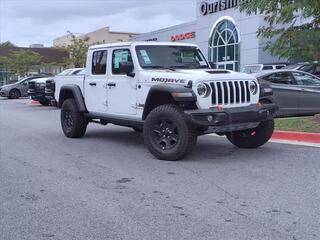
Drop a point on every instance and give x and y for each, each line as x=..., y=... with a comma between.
x=209, y=118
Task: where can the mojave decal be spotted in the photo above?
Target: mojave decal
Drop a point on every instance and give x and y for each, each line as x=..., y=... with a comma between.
x=169, y=80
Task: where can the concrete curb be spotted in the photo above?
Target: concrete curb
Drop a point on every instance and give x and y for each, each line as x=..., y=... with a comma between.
x=297, y=136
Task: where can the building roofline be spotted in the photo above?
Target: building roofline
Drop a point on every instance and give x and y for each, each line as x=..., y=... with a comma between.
x=168, y=28
x=113, y=32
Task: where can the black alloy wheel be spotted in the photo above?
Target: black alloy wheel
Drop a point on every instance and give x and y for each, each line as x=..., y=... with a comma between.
x=68, y=120
x=166, y=134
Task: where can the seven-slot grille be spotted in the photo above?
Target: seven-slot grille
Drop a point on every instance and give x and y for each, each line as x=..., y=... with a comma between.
x=230, y=92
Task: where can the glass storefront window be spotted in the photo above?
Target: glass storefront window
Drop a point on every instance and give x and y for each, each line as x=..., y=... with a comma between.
x=224, y=46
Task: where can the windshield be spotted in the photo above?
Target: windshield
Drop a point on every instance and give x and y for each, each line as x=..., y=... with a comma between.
x=65, y=72
x=294, y=66
x=82, y=72
x=170, y=57
x=251, y=69
x=24, y=79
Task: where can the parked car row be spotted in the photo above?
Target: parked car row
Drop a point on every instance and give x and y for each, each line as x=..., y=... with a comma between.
x=42, y=89
x=20, y=88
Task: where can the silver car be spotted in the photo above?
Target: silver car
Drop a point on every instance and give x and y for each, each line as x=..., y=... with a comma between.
x=296, y=93
x=18, y=89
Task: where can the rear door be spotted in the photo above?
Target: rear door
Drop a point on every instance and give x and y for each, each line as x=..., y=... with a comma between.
x=95, y=82
x=285, y=92
x=309, y=102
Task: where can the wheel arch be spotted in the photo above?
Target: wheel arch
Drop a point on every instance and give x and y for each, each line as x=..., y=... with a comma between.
x=265, y=100
x=15, y=89
x=72, y=91
x=168, y=94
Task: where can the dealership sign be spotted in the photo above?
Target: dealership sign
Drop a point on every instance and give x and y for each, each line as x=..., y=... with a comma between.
x=217, y=6
x=183, y=36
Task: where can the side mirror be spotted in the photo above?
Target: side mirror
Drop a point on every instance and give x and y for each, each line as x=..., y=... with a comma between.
x=265, y=90
x=127, y=68
x=212, y=65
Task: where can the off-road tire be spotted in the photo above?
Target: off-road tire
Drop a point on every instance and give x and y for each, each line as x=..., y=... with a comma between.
x=14, y=94
x=44, y=102
x=252, y=138
x=183, y=136
x=73, y=122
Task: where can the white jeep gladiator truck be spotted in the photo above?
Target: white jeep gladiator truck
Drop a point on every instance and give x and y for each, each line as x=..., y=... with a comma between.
x=169, y=92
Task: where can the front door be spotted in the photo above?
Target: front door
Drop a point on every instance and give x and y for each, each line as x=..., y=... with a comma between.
x=95, y=82
x=122, y=91
x=309, y=102
x=285, y=92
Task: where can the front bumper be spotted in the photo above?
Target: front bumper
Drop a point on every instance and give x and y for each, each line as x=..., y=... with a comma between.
x=4, y=93
x=232, y=119
x=49, y=95
x=37, y=94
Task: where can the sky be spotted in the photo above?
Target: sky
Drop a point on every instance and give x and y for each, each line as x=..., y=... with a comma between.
x=25, y=22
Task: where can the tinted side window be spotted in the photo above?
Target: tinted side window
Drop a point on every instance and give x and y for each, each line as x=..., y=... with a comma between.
x=119, y=56
x=279, y=78
x=267, y=68
x=99, y=63
x=306, y=79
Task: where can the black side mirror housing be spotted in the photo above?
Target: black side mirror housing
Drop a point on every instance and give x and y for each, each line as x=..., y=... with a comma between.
x=127, y=68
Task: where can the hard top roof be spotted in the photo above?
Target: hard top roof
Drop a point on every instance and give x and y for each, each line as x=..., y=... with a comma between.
x=127, y=44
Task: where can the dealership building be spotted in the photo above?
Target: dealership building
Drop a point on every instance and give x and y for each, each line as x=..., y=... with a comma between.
x=225, y=35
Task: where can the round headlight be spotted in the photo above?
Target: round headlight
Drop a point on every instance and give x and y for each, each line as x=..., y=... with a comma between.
x=253, y=87
x=203, y=90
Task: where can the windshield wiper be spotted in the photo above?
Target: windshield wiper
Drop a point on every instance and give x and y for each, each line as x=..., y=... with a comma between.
x=161, y=67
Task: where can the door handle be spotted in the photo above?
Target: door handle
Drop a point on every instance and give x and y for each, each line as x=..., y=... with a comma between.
x=111, y=84
x=93, y=84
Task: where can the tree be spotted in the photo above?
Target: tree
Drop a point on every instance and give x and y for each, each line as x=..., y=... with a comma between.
x=7, y=44
x=77, y=51
x=20, y=61
x=292, y=29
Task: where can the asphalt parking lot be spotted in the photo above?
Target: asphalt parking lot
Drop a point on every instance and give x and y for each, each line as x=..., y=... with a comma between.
x=108, y=186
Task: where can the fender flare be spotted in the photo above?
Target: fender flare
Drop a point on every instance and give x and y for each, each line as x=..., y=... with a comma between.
x=76, y=93
x=172, y=91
